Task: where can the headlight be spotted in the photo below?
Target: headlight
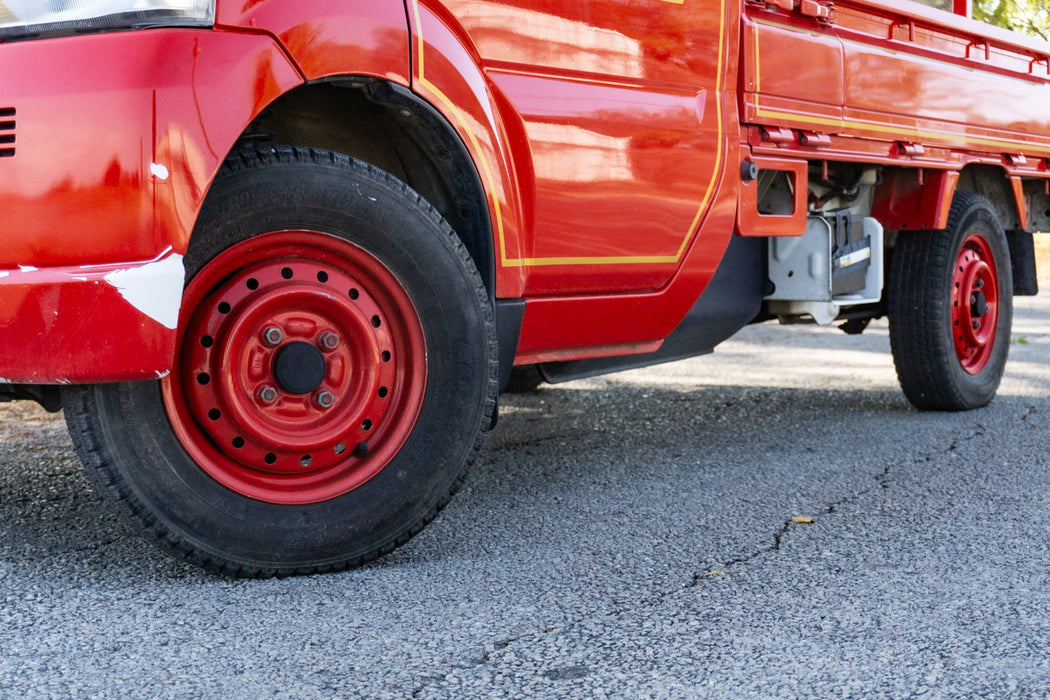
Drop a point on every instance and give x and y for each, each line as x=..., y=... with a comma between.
x=35, y=17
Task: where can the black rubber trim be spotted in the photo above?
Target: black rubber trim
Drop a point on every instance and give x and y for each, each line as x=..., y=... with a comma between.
x=731, y=300
x=509, y=314
x=1022, y=262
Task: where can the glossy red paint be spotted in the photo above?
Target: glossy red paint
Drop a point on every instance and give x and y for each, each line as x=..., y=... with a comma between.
x=447, y=74
x=903, y=202
x=615, y=101
x=65, y=325
x=600, y=325
x=752, y=223
x=141, y=124
x=598, y=141
x=327, y=38
x=112, y=161
x=895, y=71
x=607, y=134
x=312, y=299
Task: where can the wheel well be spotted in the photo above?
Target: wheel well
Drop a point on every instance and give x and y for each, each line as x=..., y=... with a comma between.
x=390, y=127
x=992, y=182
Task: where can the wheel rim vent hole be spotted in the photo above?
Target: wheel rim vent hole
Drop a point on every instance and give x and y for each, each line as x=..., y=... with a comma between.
x=386, y=356
x=286, y=273
x=270, y=458
x=238, y=442
x=224, y=308
x=366, y=424
x=353, y=293
x=383, y=391
x=203, y=378
x=207, y=341
x=252, y=284
x=322, y=276
x=215, y=414
x=340, y=449
x=305, y=460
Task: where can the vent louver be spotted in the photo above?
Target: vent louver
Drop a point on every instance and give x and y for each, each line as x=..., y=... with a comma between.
x=7, y=132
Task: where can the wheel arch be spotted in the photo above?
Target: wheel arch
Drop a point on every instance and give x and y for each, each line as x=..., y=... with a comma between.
x=950, y=308
x=916, y=199
x=995, y=185
x=389, y=126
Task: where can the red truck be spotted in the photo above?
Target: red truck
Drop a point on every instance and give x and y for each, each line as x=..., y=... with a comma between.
x=277, y=258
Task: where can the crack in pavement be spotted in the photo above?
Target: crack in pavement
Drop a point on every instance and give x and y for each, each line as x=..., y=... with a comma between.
x=882, y=481
x=1028, y=414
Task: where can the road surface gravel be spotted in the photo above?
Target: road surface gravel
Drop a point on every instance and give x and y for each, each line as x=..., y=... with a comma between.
x=629, y=536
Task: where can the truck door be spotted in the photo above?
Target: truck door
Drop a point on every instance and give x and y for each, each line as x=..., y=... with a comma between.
x=626, y=130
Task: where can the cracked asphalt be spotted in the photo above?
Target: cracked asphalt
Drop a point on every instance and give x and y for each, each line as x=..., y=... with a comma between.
x=630, y=536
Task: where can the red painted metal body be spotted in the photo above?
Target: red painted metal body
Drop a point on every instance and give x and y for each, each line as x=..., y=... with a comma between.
x=117, y=137
x=607, y=135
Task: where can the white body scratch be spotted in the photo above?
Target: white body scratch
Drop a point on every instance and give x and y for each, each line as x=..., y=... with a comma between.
x=155, y=288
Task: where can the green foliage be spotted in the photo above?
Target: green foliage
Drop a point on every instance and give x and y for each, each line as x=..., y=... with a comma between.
x=1026, y=16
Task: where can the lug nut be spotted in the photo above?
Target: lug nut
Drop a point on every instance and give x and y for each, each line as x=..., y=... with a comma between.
x=328, y=341
x=272, y=335
x=267, y=395
x=977, y=325
x=324, y=399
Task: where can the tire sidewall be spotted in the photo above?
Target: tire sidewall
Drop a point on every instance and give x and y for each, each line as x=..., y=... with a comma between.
x=978, y=389
x=372, y=210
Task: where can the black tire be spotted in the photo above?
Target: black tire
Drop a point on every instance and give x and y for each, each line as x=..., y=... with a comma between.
x=524, y=379
x=355, y=243
x=940, y=282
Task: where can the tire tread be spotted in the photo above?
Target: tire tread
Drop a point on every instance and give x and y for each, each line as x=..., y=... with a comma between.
x=919, y=308
x=85, y=426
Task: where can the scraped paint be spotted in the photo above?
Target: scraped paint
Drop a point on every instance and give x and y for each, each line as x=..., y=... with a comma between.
x=154, y=288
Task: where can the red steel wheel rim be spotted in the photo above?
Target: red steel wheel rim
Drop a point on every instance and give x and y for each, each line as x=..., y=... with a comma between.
x=300, y=367
x=975, y=304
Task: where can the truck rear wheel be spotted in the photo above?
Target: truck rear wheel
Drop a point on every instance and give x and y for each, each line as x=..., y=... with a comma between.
x=334, y=372
x=951, y=308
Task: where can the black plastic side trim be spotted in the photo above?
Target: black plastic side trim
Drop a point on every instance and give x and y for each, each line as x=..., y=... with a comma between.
x=732, y=299
x=509, y=314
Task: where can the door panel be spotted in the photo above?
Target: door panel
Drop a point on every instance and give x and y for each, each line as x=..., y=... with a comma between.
x=620, y=104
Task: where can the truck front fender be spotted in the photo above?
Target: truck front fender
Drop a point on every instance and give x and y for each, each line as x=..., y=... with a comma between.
x=446, y=72
x=111, y=165
x=326, y=38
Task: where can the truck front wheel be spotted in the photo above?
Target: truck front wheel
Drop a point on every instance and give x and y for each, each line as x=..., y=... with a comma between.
x=951, y=307
x=334, y=371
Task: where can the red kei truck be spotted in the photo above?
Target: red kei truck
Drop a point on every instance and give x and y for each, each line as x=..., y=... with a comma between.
x=277, y=258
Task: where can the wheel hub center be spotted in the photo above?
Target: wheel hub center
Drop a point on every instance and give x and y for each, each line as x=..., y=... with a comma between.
x=299, y=368
x=978, y=304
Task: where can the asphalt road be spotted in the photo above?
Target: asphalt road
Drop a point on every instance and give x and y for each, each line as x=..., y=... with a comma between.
x=628, y=536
